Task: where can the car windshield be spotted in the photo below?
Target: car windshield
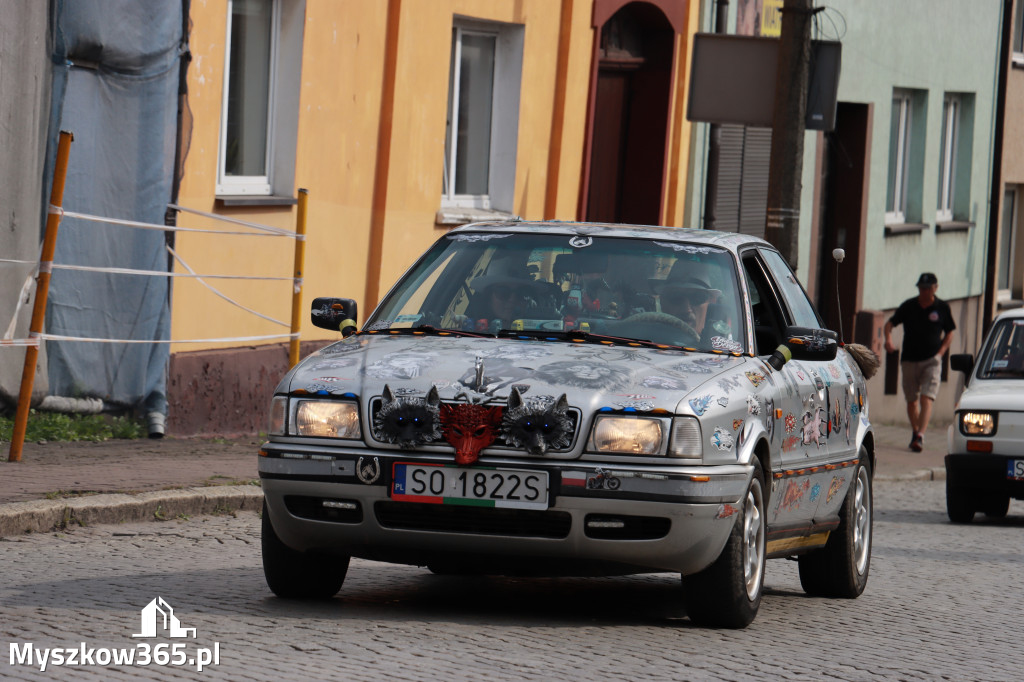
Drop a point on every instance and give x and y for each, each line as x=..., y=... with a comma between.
x=1004, y=355
x=566, y=286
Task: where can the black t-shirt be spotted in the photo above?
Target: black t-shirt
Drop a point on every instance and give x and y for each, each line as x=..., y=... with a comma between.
x=923, y=328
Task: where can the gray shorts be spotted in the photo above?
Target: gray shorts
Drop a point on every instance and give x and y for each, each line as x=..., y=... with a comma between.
x=921, y=378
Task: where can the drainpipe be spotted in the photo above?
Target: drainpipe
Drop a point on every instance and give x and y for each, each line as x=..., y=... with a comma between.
x=715, y=138
x=996, y=199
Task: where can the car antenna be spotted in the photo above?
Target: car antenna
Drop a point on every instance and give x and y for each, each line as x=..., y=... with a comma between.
x=865, y=357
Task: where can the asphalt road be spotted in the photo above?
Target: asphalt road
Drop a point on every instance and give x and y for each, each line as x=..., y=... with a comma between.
x=942, y=602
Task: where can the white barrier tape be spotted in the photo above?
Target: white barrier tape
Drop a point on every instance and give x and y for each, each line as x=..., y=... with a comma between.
x=18, y=262
x=46, y=266
x=159, y=273
x=222, y=295
x=57, y=337
x=297, y=287
x=172, y=228
x=54, y=210
x=18, y=343
x=236, y=221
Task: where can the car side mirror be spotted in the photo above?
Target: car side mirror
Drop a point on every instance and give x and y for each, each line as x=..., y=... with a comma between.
x=805, y=343
x=962, y=362
x=336, y=314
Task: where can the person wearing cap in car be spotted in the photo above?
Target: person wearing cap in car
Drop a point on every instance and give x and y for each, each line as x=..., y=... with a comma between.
x=686, y=293
x=927, y=334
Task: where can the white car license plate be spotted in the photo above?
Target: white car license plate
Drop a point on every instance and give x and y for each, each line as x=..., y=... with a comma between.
x=478, y=486
x=1015, y=469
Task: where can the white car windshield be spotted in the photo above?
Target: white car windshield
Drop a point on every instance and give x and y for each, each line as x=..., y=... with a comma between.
x=1004, y=355
x=663, y=292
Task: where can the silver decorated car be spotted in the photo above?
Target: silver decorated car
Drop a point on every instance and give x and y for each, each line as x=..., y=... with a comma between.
x=577, y=399
x=985, y=464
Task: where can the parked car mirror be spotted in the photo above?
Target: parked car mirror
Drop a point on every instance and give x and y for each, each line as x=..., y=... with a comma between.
x=962, y=362
x=337, y=314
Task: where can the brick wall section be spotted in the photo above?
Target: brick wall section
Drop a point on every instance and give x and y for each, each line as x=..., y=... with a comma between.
x=225, y=392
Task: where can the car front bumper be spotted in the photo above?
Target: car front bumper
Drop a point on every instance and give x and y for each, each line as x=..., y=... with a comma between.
x=986, y=473
x=657, y=518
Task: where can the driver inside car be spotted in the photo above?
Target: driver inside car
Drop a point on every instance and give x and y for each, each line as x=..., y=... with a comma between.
x=686, y=294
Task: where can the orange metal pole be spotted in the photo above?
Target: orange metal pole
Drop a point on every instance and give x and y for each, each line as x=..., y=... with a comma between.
x=300, y=256
x=28, y=374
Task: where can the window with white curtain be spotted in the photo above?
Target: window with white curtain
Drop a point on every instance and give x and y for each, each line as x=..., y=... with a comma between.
x=246, y=121
x=483, y=115
x=899, y=157
x=951, y=109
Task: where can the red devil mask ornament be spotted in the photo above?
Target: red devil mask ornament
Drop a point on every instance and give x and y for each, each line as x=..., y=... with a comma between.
x=469, y=429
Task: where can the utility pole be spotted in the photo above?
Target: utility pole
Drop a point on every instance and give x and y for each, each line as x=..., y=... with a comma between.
x=786, y=164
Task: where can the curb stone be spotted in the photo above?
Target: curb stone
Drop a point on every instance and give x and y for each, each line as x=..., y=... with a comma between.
x=40, y=516
x=932, y=474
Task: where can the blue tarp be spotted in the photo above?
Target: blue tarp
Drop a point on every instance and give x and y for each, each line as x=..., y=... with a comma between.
x=115, y=87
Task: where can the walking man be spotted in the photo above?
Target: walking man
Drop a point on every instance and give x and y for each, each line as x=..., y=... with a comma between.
x=927, y=335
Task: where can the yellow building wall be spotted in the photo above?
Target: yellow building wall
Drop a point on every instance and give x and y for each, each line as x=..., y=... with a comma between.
x=336, y=155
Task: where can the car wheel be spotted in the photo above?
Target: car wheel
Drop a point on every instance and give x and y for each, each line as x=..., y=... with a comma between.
x=299, y=575
x=959, y=504
x=728, y=592
x=996, y=507
x=841, y=567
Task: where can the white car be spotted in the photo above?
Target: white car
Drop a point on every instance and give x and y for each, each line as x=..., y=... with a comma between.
x=985, y=464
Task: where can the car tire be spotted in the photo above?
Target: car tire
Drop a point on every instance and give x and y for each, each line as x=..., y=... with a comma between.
x=959, y=504
x=840, y=569
x=996, y=507
x=728, y=592
x=299, y=575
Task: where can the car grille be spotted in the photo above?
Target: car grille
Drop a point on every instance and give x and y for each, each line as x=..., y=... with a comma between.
x=473, y=520
x=573, y=414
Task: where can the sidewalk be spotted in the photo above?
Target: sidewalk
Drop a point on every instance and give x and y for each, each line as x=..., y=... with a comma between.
x=60, y=484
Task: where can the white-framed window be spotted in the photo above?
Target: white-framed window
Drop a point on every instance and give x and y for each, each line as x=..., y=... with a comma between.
x=1018, y=33
x=260, y=101
x=1007, y=243
x=485, y=72
x=246, y=115
x=899, y=156
x=951, y=111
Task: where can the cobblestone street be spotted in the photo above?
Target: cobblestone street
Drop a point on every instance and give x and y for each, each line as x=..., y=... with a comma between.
x=942, y=603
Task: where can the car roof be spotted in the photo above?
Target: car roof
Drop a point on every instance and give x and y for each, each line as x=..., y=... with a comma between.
x=1011, y=314
x=731, y=241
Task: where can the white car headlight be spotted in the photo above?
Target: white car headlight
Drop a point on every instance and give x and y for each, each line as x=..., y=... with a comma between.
x=977, y=423
x=626, y=435
x=686, y=441
x=327, y=419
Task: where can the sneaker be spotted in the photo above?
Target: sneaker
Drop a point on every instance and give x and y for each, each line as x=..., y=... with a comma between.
x=917, y=442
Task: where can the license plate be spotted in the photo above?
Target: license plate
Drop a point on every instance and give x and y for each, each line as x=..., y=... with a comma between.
x=1015, y=469
x=478, y=486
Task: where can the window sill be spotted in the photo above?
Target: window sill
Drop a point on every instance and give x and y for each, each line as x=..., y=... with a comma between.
x=896, y=229
x=954, y=226
x=251, y=200
x=461, y=216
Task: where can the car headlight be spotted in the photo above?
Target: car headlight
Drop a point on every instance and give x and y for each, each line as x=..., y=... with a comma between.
x=626, y=435
x=278, y=414
x=686, y=441
x=978, y=423
x=327, y=419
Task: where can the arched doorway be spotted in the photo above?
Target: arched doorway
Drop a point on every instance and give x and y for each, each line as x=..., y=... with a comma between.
x=631, y=90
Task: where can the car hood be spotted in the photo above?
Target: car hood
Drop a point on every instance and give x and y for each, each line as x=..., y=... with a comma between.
x=993, y=394
x=593, y=376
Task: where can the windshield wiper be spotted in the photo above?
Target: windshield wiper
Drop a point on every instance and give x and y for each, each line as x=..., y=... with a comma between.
x=576, y=334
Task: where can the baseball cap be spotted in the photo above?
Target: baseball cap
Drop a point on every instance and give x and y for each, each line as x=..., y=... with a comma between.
x=927, y=279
